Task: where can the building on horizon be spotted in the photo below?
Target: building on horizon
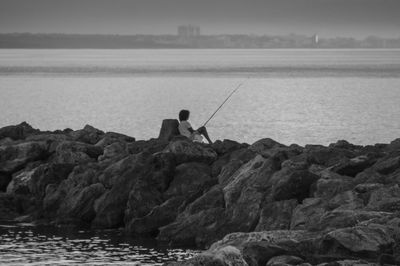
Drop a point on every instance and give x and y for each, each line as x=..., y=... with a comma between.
x=188, y=31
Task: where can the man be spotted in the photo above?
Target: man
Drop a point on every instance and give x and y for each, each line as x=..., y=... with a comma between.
x=185, y=129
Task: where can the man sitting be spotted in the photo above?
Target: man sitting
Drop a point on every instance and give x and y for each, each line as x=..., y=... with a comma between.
x=185, y=129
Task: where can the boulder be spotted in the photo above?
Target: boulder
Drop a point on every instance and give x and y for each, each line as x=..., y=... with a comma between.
x=150, y=146
x=387, y=165
x=360, y=241
x=276, y=215
x=5, y=180
x=112, y=137
x=385, y=199
x=72, y=152
x=351, y=167
x=169, y=129
x=114, y=152
x=20, y=181
x=266, y=147
x=17, y=132
x=111, y=174
x=188, y=151
x=88, y=134
x=327, y=156
x=190, y=179
x=284, y=260
x=227, y=146
x=308, y=213
x=159, y=216
x=330, y=183
x=14, y=157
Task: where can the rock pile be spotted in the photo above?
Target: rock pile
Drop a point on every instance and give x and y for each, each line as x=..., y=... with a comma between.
x=260, y=204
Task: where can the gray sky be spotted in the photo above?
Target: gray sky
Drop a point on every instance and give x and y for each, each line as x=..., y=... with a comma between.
x=358, y=18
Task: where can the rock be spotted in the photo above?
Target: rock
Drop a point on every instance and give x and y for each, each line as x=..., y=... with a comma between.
x=20, y=182
x=387, y=165
x=266, y=147
x=276, y=215
x=345, y=218
x=114, y=152
x=71, y=152
x=112, y=137
x=385, y=199
x=15, y=157
x=78, y=205
x=349, y=263
x=17, y=132
x=151, y=146
x=114, y=171
x=227, y=146
x=169, y=129
x=149, y=171
x=351, y=167
x=308, y=213
x=225, y=256
x=6, y=141
x=159, y=216
x=4, y=181
x=330, y=184
x=362, y=241
x=8, y=209
x=258, y=248
x=88, y=134
x=190, y=179
x=326, y=156
x=200, y=223
x=284, y=260
x=188, y=151
x=289, y=183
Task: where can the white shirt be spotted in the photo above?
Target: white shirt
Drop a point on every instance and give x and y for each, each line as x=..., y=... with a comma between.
x=184, y=131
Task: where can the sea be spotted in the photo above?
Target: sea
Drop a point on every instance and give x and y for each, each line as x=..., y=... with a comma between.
x=303, y=96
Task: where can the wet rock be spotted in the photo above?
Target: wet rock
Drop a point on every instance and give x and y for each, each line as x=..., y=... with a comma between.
x=17, y=132
x=188, y=151
x=5, y=179
x=8, y=208
x=330, y=184
x=169, y=129
x=284, y=260
x=20, y=182
x=114, y=171
x=15, y=157
x=276, y=215
x=158, y=217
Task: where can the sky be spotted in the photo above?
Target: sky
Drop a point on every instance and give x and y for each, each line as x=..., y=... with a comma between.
x=328, y=18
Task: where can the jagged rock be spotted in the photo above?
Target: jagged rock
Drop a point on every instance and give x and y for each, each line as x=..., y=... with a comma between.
x=353, y=166
x=258, y=248
x=190, y=179
x=78, y=205
x=20, y=181
x=72, y=152
x=349, y=263
x=326, y=156
x=385, y=199
x=226, y=256
x=364, y=241
x=276, y=215
x=150, y=146
x=284, y=260
x=112, y=137
x=330, y=183
x=199, y=223
x=266, y=147
x=289, y=183
x=114, y=171
x=114, y=152
x=15, y=157
x=88, y=134
x=227, y=146
x=169, y=129
x=5, y=179
x=387, y=165
x=188, y=151
x=17, y=132
x=149, y=171
x=159, y=216
x=308, y=213
x=6, y=141
x=8, y=208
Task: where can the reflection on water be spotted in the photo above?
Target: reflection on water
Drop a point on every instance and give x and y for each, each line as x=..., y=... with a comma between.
x=26, y=245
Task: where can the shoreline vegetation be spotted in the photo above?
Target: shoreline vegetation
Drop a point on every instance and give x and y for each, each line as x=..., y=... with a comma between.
x=249, y=204
x=227, y=41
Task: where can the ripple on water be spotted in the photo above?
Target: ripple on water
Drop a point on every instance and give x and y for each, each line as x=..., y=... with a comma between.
x=23, y=245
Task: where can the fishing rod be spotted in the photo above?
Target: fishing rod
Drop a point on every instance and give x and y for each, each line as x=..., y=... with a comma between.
x=229, y=96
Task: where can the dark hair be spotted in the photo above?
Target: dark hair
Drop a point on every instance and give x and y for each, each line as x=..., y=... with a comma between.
x=184, y=115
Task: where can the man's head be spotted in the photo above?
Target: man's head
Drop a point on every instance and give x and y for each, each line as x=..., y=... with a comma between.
x=184, y=115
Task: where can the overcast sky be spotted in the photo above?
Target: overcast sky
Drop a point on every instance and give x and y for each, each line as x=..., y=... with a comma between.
x=358, y=18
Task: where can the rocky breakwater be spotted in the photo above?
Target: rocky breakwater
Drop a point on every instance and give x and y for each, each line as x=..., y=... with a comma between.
x=260, y=204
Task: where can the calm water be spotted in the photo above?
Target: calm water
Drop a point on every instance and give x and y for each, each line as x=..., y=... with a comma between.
x=293, y=96
x=26, y=245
